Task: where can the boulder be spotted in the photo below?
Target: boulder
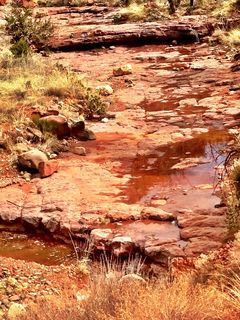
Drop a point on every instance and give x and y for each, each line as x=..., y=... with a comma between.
x=77, y=128
x=57, y=125
x=31, y=159
x=122, y=70
x=83, y=135
x=108, y=34
x=47, y=168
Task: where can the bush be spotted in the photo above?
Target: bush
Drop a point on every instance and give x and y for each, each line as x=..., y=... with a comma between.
x=20, y=48
x=26, y=31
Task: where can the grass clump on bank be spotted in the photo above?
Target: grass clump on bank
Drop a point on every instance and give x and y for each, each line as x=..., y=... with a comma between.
x=33, y=81
x=230, y=38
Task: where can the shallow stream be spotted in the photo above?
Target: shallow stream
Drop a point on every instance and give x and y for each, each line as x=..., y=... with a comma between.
x=152, y=176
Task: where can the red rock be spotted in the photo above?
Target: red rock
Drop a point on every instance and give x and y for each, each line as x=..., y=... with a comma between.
x=31, y=159
x=128, y=32
x=201, y=245
x=197, y=220
x=216, y=234
x=25, y=3
x=161, y=254
x=47, y=168
x=156, y=214
x=57, y=125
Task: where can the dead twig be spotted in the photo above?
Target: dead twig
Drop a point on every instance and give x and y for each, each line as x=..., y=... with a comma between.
x=15, y=204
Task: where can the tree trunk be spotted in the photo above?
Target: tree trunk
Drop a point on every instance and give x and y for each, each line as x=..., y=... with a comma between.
x=172, y=8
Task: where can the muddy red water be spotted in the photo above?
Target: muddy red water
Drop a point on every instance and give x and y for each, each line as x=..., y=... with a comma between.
x=35, y=248
x=152, y=175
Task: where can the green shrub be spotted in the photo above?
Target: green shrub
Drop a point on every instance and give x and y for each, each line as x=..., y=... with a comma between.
x=26, y=31
x=20, y=48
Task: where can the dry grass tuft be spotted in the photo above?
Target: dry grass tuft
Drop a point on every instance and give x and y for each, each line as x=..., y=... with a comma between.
x=230, y=38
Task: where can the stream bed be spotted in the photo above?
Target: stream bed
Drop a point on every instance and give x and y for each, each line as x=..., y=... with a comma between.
x=165, y=149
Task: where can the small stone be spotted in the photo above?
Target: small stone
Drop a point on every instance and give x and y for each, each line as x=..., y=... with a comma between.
x=204, y=186
x=26, y=176
x=6, y=302
x=47, y=168
x=37, y=134
x=122, y=70
x=15, y=298
x=158, y=202
x=188, y=163
x=82, y=297
x=132, y=278
x=81, y=151
x=105, y=120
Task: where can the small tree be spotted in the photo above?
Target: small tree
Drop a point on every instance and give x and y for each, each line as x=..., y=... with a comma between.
x=26, y=31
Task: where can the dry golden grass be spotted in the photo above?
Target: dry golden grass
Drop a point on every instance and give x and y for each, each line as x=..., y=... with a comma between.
x=209, y=292
x=187, y=297
x=109, y=299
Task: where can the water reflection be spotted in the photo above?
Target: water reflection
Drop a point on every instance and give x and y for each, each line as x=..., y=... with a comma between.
x=152, y=174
